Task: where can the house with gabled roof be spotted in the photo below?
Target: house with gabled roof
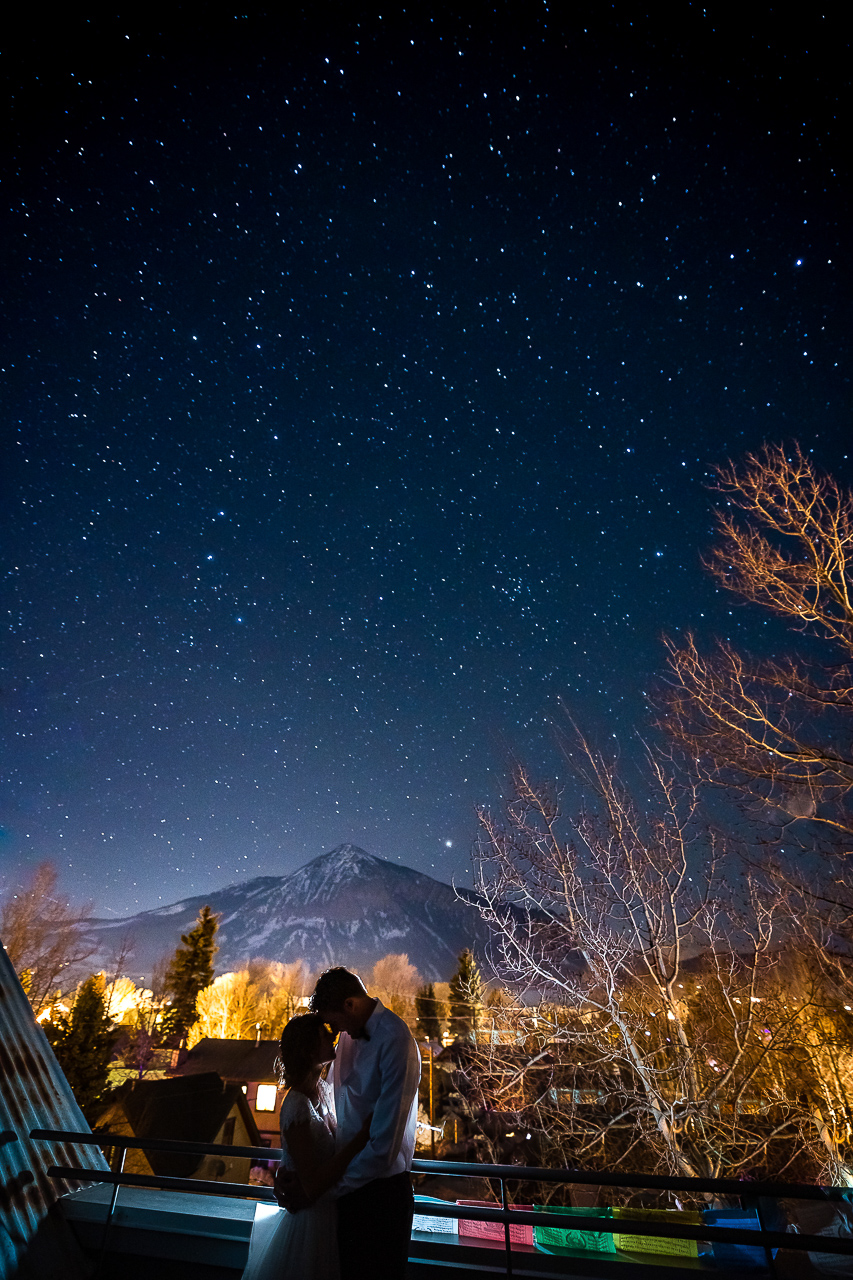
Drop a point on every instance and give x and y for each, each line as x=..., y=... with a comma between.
x=248, y=1064
x=192, y=1108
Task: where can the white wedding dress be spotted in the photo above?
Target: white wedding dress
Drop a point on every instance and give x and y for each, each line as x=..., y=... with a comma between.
x=304, y=1245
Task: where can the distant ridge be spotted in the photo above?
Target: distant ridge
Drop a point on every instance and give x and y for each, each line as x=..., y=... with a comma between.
x=344, y=907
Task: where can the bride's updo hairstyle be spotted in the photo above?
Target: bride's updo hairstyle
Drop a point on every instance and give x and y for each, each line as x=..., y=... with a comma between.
x=297, y=1048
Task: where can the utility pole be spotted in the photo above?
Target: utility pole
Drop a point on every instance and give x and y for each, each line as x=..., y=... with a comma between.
x=431, y=1108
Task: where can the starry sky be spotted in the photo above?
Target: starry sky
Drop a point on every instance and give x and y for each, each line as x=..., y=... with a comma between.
x=363, y=372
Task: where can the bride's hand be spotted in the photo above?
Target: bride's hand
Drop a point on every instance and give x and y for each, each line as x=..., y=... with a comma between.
x=362, y=1138
x=288, y=1191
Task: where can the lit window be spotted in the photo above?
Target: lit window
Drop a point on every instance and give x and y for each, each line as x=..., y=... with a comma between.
x=265, y=1100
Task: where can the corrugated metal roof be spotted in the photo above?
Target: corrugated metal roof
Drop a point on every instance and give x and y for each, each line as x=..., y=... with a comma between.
x=34, y=1094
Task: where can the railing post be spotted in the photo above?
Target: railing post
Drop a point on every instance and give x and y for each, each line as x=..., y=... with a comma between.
x=507, y=1239
x=109, y=1217
x=754, y=1202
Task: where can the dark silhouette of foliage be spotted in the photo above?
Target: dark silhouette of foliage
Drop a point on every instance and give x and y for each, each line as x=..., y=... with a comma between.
x=83, y=1043
x=430, y=1012
x=189, y=971
x=466, y=997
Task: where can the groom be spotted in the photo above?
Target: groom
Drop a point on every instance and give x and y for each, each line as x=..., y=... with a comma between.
x=377, y=1070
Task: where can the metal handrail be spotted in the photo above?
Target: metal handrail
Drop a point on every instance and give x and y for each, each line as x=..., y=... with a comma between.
x=164, y=1182
x=503, y=1213
x=650, y=1181
x=473, y=1169
x=174, y=1145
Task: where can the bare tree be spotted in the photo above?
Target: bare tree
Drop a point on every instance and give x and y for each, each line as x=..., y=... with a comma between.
x=779, y=730
x=662, y=1036
x=282, y=992
x=254, y=1001
x=43, y=937
x=140, y=1046
x=228, y=1009
x=396, y=982
x=143, y=1015
x=824, y=959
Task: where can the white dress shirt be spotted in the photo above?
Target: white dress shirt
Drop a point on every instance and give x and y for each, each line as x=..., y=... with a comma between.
x=378, y=1073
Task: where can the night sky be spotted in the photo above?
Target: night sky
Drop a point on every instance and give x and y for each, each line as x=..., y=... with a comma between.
x=363, y=375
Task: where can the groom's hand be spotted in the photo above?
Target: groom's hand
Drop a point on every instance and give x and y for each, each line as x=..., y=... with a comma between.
x=288, y=1191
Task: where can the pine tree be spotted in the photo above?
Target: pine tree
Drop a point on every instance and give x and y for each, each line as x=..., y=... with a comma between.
x=466, y=997
x=189, y=971
x=83, y=1043
x=430, y=1011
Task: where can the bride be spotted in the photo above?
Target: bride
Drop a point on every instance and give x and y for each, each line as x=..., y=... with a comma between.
x=304, y=1245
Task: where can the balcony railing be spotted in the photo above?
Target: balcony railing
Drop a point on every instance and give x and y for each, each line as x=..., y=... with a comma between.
x=751, y=1195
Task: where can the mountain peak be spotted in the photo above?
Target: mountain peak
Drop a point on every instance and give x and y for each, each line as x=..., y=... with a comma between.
x=325, y=875
x=349, y=855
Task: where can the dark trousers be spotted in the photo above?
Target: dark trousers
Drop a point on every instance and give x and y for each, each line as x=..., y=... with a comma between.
x=375, y=1229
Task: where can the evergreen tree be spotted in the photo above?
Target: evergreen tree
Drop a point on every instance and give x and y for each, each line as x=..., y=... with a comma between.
x=83, y=1043
x=430, y=1011
x=466, y=997
x=189, y=971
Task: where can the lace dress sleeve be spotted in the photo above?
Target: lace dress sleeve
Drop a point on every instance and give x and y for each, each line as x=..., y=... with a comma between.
x=296, y=1109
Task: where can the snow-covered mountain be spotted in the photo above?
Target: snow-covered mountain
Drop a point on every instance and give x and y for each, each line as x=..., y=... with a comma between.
x=344, y=907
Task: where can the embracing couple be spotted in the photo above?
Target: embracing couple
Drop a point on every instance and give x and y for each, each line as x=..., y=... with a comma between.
x=347, y=1142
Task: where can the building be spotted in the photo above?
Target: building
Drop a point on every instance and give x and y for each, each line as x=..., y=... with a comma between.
x=195, y=1108
x=248, y=1064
